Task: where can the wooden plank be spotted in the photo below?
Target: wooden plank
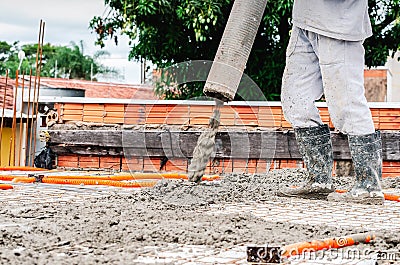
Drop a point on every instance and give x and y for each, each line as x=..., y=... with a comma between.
x=391, y=145
x=86, y=150
x=180, y=144
x=87, y=137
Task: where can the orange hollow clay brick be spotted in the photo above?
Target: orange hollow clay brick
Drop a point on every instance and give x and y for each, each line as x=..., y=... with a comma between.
x=132, y=164
x=151, y=164
x=89, y=162
x=110, y=162
x=179, y=165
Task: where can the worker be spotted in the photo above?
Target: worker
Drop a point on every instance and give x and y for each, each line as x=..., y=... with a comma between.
x=325, y=57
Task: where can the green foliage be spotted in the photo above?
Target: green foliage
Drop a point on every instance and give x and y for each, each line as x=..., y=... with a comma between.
x=70, y=61
x=385, y=19
x=167, y=32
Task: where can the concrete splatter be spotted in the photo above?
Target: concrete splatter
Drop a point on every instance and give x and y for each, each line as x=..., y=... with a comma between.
x=205, y=147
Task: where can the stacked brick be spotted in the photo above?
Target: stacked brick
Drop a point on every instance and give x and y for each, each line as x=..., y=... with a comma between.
x=173, y=114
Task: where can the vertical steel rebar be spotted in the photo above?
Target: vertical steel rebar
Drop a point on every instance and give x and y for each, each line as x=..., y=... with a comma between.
x=27, y=118
x=20, y=120
x=38, y=88
x=34, y=97
x=14, y=123
x=2, y=113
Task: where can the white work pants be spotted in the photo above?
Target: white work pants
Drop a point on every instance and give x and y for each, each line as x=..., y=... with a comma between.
x=317, y=65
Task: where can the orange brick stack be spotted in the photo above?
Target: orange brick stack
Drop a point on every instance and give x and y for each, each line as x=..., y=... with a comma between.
x=391, y=169
x=155, y=114
x=177, y=114
x=93, y=113
x=389, y=119
x=246, y=115
x=134, y=114
x=200, y=115
x=114, y=113
x=263, y=116
x=270, y=117
x=71, y=112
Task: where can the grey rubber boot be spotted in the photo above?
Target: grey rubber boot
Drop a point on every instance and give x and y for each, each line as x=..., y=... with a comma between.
x=366, y=152
x=315, y=146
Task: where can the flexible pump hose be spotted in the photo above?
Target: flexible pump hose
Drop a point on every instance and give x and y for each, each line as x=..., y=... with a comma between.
x=234, y=49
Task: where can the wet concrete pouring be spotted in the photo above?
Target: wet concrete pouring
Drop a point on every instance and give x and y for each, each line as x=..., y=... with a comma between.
x=119, y=226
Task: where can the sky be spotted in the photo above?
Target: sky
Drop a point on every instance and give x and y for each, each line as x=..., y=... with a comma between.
x=66, y=21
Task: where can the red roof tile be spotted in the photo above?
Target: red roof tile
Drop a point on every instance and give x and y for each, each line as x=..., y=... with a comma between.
x=9, y=92
x=102, y=89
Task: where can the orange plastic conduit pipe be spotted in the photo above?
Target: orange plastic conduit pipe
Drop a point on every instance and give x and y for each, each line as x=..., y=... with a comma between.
x=22, y=168
x=329, y=243
x=99, y=182
x=7, y=177
x=6, y=187
x=388, y=197
x=114, y=183
x=24, y=180
x=139, y=176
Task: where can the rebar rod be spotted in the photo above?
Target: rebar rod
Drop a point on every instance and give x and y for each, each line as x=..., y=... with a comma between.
x=27, y=140
x=34, y=97
x=2, y=114
x=14, y=123
x=20, y=120
x=38, y=88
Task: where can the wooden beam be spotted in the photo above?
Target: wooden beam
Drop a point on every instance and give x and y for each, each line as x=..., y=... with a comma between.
x=180, y=144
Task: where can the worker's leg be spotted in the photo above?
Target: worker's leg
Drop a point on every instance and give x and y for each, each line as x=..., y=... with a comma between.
x=342, y=68
x=301, y=82
x=302, y=85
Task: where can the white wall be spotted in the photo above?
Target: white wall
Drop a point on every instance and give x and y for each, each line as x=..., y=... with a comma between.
x=393, y=65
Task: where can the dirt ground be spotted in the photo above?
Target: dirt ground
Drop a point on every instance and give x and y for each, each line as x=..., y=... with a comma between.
x=110, y=229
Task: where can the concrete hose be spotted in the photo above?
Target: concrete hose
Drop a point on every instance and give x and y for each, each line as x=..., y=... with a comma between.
x=234, y=49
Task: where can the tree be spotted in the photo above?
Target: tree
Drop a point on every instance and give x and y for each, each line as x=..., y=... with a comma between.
x=172, y=31
x=60, y=61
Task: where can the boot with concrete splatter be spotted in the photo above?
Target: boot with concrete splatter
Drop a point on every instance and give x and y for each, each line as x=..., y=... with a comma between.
x=315, y=146
x=366, y=152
